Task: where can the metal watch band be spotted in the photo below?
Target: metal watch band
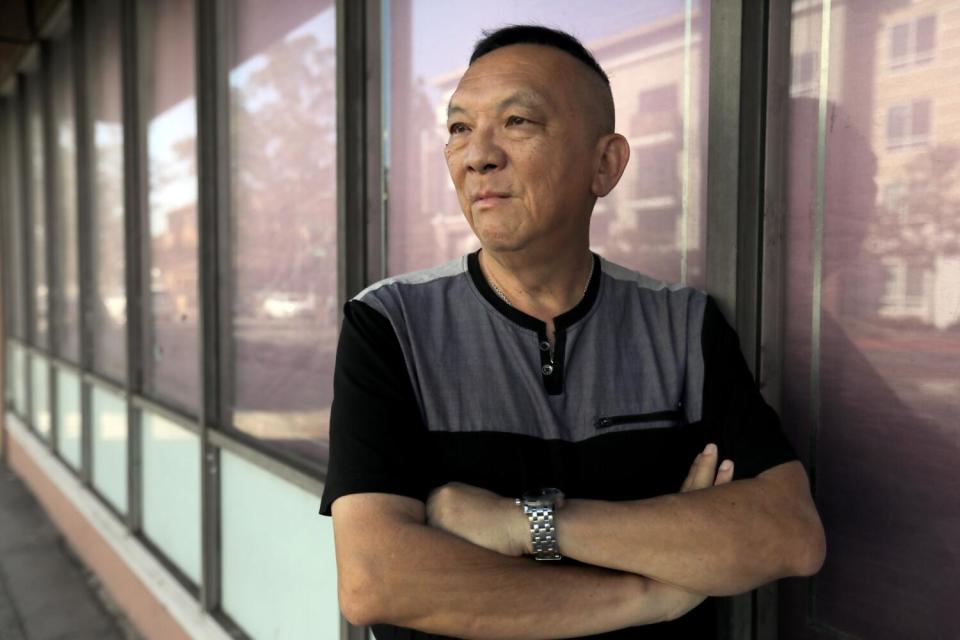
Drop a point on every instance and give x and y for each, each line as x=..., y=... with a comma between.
x=543, y=532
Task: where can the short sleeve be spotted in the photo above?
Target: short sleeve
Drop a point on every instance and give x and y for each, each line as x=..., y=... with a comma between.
x=745, y=428
x=377, y=435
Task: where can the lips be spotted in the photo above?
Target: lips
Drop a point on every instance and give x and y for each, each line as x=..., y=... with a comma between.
x=489, y=197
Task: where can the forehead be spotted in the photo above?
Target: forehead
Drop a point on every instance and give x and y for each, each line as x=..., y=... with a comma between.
x=538, y=73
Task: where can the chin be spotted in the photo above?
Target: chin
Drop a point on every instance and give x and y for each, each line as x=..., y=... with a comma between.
x=500, y=243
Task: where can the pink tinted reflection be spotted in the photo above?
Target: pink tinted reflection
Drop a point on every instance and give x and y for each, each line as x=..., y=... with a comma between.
x=41, y=292
x=889, y=345
x=173, y=361
x=283, y=146
x=650, y=61
x=67, y=291
x=106, y=118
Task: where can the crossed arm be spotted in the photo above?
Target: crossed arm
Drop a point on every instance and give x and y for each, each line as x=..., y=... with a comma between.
x=453, y=567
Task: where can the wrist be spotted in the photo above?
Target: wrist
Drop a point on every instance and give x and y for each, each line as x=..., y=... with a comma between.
x=539, y=508
x=518, y=528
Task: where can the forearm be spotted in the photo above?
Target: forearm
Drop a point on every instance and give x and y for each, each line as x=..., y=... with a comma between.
x=419, y=577
x=718, y=541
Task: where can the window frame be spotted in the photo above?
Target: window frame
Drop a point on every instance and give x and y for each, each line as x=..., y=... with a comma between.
x=912, y=57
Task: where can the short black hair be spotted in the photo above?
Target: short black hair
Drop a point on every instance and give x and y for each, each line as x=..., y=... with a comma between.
x=536, y=34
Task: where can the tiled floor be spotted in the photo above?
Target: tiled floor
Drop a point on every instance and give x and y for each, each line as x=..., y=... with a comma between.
x=45, y=593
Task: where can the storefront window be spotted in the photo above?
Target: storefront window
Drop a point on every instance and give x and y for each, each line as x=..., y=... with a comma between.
x=283, y=223
x=105, y=113
x=872, y=319
x=170, y=301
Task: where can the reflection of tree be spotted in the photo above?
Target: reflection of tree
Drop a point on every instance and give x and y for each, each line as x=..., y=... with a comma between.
x=929, y=225
x=283, y=154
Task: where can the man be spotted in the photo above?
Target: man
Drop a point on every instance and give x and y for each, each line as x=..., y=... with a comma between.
x=535, y=366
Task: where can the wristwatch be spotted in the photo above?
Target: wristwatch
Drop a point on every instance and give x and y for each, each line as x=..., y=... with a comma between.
x=538, y=505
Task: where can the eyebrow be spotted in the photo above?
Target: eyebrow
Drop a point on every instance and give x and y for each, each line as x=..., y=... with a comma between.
x=524, y=98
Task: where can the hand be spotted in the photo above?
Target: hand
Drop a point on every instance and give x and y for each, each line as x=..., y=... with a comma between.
x=479, y=516
x=702, y=475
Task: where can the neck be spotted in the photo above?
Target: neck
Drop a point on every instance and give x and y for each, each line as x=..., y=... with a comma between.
x=542, y=287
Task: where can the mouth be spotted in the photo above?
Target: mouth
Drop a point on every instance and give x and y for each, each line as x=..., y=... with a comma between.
x=490, y=198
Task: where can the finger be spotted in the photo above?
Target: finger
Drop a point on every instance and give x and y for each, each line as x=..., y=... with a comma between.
x=702, y=470
x=706, y=468
x=691, y=479
x=691, y=475
x=725, y=474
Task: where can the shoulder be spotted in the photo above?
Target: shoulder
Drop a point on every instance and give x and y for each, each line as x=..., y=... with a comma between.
x=421, y=277
x=628, y=284
x=390, y=295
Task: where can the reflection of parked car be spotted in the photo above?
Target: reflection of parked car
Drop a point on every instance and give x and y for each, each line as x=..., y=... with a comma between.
x=288, y=304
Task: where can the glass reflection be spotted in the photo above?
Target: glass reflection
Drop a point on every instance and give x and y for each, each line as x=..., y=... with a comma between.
x=109, y=414
x=69, y=419
x=40, y=378
x=873, y=312
x=173, y=361
x=38, y=210
x=283, y=181
x=106, y=118
x=67, y=293
x=13, y=245
x=656, y=54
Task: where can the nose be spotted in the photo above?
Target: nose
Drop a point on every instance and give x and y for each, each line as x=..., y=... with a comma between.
x=483, y=153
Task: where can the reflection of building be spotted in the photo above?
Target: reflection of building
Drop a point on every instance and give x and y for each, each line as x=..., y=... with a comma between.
x=655, y=218
x=916, y=136
x=892, y=89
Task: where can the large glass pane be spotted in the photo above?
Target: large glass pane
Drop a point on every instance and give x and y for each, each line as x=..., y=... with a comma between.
x=38, y=210
x=40, y=392
x=105, y=112
x=171, y=492
x=11, y=209
x=109, y=415
x=17, y=377
x=67, y=318
x=172, y=360
x=283, y=208
x=286, y=590
x=872, y=318
x=656, y=54
x=69, y=421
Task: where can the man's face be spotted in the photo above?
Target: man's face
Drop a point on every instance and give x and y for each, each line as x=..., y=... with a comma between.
x=521, y=150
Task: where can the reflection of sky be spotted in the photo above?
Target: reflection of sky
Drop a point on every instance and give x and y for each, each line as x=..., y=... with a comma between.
x=173, y=183
x=322, y=27
x=107, y=134
x=444, y=32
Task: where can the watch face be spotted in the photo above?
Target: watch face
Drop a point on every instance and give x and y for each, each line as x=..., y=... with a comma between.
x=546, y=497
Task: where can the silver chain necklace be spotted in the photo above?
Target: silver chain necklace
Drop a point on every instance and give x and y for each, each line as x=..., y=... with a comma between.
x=503, y=296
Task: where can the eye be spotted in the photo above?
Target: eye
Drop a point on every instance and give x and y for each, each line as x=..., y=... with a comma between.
x=516, y=120
x=457, y=128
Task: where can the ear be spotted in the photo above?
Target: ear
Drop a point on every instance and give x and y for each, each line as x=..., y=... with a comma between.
x=613, y=152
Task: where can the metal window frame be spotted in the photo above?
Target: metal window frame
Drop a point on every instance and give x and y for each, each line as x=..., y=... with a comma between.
x=360, y=203
x=136, y=247
x=85, y=243
x=26, y=224
x=6, y=268
x=736, y=234
x=212, y=95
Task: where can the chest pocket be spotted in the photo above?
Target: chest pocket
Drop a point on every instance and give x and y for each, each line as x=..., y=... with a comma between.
x=649, y=419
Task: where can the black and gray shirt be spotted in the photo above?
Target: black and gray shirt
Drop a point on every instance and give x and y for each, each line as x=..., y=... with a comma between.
x=438, y=380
